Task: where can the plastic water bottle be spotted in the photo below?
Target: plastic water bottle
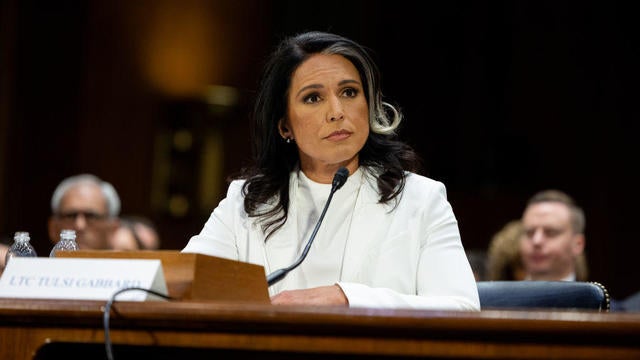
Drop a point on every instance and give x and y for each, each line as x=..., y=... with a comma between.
x=67, y=242
x=20, y=247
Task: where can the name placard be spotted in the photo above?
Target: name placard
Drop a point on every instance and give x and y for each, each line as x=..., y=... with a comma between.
x=82, y=279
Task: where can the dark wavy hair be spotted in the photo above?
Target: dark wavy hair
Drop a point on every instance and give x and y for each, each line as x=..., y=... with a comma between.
x=266, y=190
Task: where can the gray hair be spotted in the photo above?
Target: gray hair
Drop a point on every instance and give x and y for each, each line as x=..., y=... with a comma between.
x=108, y=191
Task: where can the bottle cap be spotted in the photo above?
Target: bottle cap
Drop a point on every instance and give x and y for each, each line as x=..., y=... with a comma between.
x=68, y=234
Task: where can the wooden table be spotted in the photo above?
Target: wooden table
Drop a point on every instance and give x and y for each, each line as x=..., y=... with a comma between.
x=51, y=329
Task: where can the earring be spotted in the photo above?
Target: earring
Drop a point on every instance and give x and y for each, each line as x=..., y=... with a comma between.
x=288, y=140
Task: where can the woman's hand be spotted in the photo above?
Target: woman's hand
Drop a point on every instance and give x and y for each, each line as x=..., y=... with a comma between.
x=323, y=295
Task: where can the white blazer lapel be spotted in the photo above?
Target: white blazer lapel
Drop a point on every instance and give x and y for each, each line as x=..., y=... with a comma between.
x=369, y=221
x=282, y=250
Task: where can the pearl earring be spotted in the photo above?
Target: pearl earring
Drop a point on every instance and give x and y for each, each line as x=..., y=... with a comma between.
x=288, y=140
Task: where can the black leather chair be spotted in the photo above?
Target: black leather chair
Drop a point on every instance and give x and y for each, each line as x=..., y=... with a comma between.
x=576, y=295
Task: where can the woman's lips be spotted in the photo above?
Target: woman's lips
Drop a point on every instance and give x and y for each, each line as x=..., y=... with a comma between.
x=338, y=135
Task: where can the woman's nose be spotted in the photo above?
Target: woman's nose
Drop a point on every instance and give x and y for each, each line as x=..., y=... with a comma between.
x=336, y=112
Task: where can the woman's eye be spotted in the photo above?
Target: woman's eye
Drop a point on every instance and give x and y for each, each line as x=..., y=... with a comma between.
x=350, y=92
x=311, y=98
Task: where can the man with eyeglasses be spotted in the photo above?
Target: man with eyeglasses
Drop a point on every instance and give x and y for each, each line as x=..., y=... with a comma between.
x=88, y=205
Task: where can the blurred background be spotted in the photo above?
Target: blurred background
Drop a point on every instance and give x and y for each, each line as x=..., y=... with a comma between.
x=501, y=98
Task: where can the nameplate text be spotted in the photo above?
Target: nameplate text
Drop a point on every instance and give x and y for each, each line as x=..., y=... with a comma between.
x=82, y=279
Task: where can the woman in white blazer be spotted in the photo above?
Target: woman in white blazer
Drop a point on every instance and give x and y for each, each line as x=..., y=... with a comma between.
x=388, y=239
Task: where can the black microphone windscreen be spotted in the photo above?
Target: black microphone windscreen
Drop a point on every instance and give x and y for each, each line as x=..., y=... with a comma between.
x=340, y=178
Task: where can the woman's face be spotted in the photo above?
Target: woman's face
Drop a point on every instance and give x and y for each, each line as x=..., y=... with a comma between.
x=327, y=115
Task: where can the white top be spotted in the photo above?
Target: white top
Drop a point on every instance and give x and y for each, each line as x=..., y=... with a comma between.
x=404, y=256
x=325, y=257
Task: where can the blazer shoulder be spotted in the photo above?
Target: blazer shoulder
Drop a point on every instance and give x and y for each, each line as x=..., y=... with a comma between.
x=421, y=182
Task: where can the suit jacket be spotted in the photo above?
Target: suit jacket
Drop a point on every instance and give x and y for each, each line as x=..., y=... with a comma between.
x=404, y=255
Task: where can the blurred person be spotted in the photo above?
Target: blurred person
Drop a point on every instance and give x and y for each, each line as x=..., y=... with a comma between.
x=503, y=254
x=135, y=233
x=88, y=205
x=553, y=244
x=390, y=237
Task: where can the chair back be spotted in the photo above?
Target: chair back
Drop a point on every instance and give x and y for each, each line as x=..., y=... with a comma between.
x=543, y=294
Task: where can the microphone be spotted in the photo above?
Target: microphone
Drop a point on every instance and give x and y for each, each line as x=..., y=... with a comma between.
x=338, y=180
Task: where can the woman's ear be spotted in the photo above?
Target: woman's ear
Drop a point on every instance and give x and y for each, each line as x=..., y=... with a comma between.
x=283, y=129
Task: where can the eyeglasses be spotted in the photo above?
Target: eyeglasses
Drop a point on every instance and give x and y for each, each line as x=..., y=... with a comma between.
x=90, y=217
